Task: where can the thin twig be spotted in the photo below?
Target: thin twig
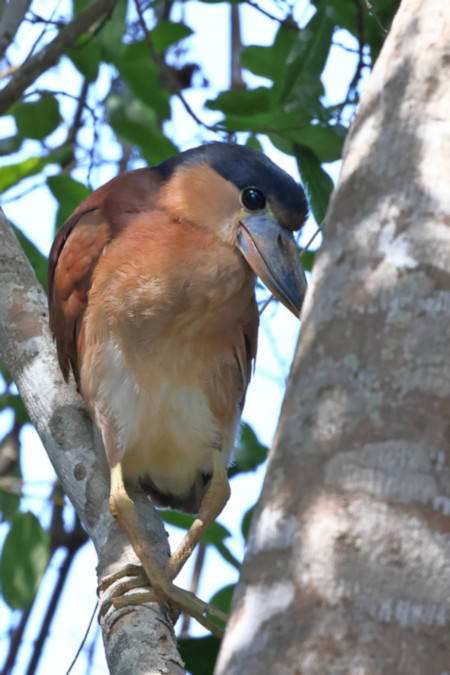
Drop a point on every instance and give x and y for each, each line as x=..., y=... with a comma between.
x=377, y=20
x=264, y=11
x=306, y=248
x=42, y=33
x=35, y=18
x=195, y=580
x=83, y=641
x=17, y=196
x=11, y=485
x=50, y=54
x=344, y=47
x=10, y=70
x=196, y=119
x=167, y=71
x=236, y=81
x=90, y=651
x=51, y=608
x=72, y=541
x=77, y=120
x=16, y=642
x=352, y=88
x=81, y=98
x=266, y=303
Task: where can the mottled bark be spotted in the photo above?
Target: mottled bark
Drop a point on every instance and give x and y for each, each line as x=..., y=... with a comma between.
x=137, y=640
x=348, y=564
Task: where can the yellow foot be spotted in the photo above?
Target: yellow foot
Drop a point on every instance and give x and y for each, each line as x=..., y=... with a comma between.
x=137, y=578
x=179, y=600
x=183, y=601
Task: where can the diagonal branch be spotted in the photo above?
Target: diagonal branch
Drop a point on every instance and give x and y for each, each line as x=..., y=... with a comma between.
x=50, y=54
x=68, y=435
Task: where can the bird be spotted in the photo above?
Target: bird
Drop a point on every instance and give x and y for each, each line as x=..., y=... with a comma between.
x=152, y=306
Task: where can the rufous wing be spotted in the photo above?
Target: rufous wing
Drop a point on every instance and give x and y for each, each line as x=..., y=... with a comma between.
x=84, y=237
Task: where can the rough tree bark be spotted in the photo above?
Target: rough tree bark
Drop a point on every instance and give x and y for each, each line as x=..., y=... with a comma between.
x=348, y=563
x=137, y=640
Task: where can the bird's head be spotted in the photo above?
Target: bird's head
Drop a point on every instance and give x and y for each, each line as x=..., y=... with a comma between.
x=249, y=202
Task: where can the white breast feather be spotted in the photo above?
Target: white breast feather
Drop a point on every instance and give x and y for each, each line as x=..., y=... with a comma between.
x=167, y=431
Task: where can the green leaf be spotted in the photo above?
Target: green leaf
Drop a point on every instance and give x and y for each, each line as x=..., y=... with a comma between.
x=308, y=258
x=79, y=5
x=360, y=20
x=325, y=141
x=283, y=120
x=14, y=401
x=222, y=599
x=38, y=118
x=199, y=654
x=10, y=144
x=246, y=522
x=138, y=70
x=86, y=56
x=242, y=101
x=167, y=33
x=318, y=183
x=177, y=519
x=307, y=58
x=345, y=13
x=4, y=372
x=112, y=31
x=253, y=142
x=227, y=555
x=37, y=260
x=214, y=535
x=270, y=61
x=24, y=559
x=11, y=174
x=9, y=502
x=249, y=454
x=153, y=145
x=257, y=124
x=69, y=193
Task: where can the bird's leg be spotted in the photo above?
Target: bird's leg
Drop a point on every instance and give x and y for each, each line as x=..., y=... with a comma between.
x=212, y=505
x=137, y=579
x=123, y=510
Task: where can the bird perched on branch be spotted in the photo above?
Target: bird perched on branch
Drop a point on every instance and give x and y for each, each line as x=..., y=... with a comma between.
x=152, y=305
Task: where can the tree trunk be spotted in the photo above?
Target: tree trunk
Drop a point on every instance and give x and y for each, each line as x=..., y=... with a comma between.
x=348, y=563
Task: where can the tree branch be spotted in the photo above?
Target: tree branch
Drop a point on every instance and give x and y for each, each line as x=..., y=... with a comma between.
x=50, y=54
x=137, y=639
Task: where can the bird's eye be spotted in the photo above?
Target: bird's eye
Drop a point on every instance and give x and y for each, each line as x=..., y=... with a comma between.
x=253, y=199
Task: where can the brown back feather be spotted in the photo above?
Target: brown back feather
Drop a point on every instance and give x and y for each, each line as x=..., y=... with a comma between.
x=98, y=220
